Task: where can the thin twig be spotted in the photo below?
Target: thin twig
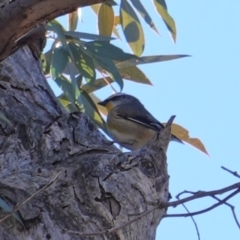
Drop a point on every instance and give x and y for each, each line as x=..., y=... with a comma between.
x=201, y=194
x=232, y=209
x=218, y=199
x=206, y=209
x=194, y=222
x=31, y=197
x=234, y=173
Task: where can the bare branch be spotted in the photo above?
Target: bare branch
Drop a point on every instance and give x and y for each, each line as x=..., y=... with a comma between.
x=206, y=209
x=232, y=209
x=194, y=222
x=232, y=172
x=201, y=194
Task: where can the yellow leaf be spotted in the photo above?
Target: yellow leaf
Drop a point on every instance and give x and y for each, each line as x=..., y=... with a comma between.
x=73, y=20
x=105, y=20
x=132, y=28
x=183, y=134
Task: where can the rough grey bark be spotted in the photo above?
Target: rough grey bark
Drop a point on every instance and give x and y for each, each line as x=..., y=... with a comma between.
x=17, y=17
x=99, y=187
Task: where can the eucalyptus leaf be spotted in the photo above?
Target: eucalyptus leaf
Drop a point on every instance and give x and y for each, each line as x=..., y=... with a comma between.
x=73, y=20
x=107, y=50
x=145, y=15
x=88, y=36
x=161, y=7
x=67, y=88
x=110, y=68
x=149, y=59
x=56, y=27
x=59, y=61
x=91, y=109
x=105, y=20
x=132, y=28
x=83, y=62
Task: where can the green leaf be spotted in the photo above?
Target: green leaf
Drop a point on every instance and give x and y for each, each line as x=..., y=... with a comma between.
x=83, y=62
x=95, y=8
x=66, y=103
x=91, y=109
x=168, y=20
x=132, y=28
x=149, y=59
x=73, y=20
x=98, y=84
x=88, y=36
x=56, y=27
x=145, y=15
x=109, y=66
x=134, y=74
x=105, y=20
x=107, y=50
x=67, y=89
x=59, y=61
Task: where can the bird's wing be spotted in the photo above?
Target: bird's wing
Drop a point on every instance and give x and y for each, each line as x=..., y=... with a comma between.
x=149, y=121
x=133, y=115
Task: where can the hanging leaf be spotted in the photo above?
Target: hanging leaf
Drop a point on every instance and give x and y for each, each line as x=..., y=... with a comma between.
x=168, y=20
x=88, y=36
x=107, y=50
x=73, y=20
x=110, y=68
x=132, y=28
x=92, y=110
x=149, y=59
x=98, y=84
x=83, y=62
x=105, y=20
x=130, y=73
x=183, y=134
x=134, y=74
x=67, y=89
x=59, y=61
x=145, y=15
x=56, y=27
x=66, y=103
x=95, y=8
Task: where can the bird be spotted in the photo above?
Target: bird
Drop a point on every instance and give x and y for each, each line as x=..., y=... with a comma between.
x=129, y=123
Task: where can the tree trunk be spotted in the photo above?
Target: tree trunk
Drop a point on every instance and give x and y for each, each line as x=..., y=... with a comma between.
x=99, y=187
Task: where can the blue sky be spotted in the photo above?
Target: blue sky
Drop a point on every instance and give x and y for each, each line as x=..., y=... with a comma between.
x=204, y=92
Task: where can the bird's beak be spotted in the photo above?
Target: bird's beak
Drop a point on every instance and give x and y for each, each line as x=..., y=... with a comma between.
x=103, y=103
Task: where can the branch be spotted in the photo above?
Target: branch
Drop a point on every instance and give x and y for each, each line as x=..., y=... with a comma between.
x=196, y=195
x=19, y=17
x=194, y=222
x=206, y=209
x=31, y=197
x=232, y=172
x=232, y=209
x=202, y=194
